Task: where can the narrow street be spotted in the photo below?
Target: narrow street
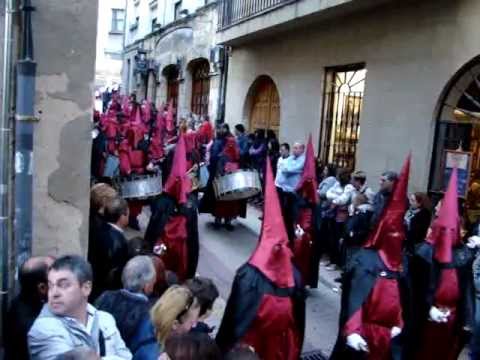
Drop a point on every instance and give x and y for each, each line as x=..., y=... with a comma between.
x=222, y=252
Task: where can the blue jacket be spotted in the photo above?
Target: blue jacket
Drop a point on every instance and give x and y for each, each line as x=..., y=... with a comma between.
x=144, y=345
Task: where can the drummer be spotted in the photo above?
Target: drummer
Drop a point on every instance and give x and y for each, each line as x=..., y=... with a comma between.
x=224, y=159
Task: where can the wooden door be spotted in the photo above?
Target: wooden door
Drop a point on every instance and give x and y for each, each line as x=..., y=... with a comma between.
x=265, y=112
x=201, y=89
x=172, y=95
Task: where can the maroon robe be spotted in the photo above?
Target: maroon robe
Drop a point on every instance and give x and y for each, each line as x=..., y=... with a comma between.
x=273, y=332
x=376, y=318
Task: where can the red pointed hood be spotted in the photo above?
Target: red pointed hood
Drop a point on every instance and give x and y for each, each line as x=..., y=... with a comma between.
x=147, y=111
x=445, y=230
x=170, y=126
x=178, y=184
x=307, y=187
x=125, y=105
x=138, y=116
x=272, y=256
x=389, y=234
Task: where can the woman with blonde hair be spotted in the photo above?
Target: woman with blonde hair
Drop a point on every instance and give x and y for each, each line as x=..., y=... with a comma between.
x=176, y=312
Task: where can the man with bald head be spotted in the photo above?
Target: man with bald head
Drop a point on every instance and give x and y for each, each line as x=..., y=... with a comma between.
x=290, y=174
x=25, y=307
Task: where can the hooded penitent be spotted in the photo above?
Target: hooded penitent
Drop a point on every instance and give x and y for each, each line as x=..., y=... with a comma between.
x=373, y=284
x=174, y=224
x=445, y=230
x=169, y=122
x=303, y=245
x=266, y=306
x=307, y=187
x=178, y=184
x=447, y=273
x=389, y=234
x=272, y=256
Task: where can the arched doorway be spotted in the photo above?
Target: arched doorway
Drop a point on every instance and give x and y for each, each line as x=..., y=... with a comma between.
x=263, y=105
x=171, y=73
x=458, y=129
x=200, y=70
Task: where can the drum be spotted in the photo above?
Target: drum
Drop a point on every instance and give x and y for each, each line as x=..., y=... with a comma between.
x=140, y=186
x=239, y=185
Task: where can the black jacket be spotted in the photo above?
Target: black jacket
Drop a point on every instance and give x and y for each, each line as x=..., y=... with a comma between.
x=108, y=255
x=417, y=230
x=358, y=228
x=20, y=317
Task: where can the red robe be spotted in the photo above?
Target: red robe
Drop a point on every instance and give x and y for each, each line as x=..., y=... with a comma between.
x=442, y=341
x=273, y=332
x=376, y=318
x=174, y=237
x=303, y=246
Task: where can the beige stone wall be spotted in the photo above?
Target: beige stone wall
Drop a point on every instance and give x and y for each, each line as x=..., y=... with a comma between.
x=410, y=51
x=186, y=40
x=65, y=37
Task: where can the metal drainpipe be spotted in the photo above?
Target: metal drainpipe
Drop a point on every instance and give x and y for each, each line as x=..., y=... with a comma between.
x=6, y=123
x=26, y=71
x=223, y=87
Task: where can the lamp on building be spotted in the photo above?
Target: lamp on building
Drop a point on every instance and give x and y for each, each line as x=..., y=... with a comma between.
x=180, y=63
x=217, y=54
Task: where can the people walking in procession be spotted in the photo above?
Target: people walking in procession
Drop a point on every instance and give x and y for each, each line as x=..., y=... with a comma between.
x=173, y=229
x=375, y=288
x=266, y=306
x=224, y=159
x=447, y=298
x=306, y=255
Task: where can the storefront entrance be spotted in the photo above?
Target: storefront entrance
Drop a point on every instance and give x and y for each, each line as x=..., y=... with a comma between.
x=458, y=132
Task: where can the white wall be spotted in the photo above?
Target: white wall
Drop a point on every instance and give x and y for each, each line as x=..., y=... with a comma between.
x=411, y=51
x=109, y=46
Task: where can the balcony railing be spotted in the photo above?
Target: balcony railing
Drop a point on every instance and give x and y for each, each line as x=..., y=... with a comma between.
x=232, y=12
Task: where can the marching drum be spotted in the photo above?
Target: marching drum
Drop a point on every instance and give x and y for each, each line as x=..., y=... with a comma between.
x=140, y=186
x=239, y=185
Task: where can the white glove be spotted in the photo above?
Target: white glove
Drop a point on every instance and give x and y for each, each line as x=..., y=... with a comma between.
x=395, y=331
x=473, y=242
x=159, y=249
x=299, y=231
x=356, y=342
x=438, y=316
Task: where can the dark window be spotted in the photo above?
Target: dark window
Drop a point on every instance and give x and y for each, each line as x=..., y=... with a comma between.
x=154, y=24
x=178, y=9
x=118, y=20
x=342, y=106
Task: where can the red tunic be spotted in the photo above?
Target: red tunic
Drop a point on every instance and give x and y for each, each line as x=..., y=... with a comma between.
x=174, y=237
x=442, y=341
x=274, y=334
x=376, y=318
x=302, y=247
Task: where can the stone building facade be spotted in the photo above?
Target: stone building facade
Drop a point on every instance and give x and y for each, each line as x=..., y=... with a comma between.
x=178, y=60
x=65, y=56
x=385, y=67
